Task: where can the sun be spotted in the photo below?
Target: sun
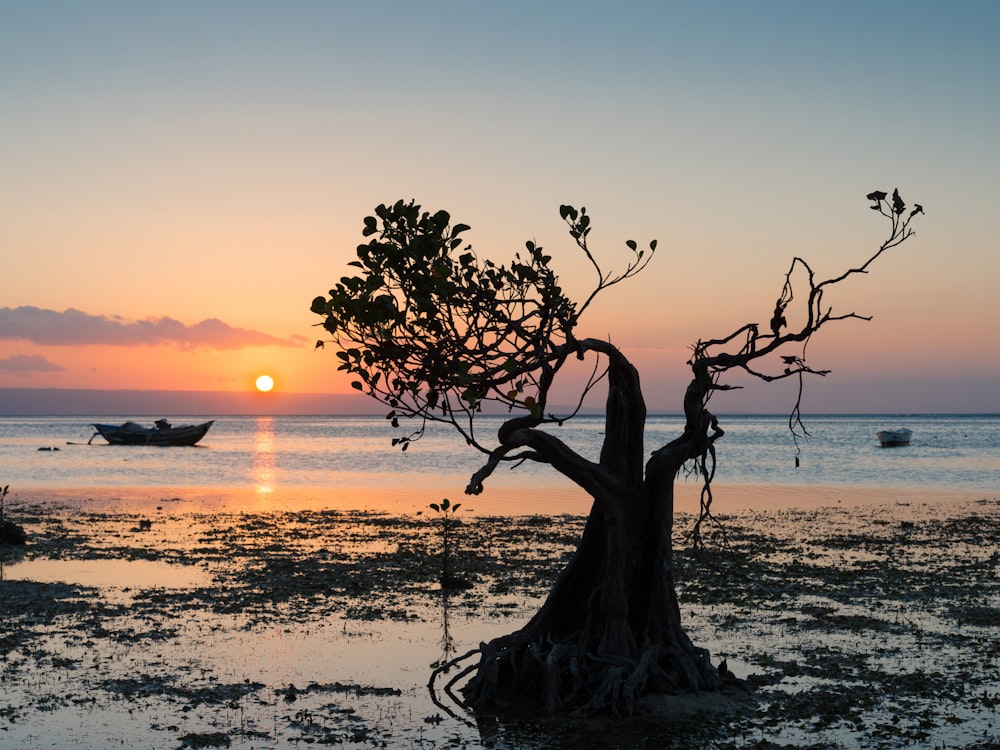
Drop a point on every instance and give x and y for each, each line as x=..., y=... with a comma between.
x=265, y=383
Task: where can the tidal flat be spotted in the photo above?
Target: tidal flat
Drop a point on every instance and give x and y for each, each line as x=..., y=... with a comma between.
x=162, y=626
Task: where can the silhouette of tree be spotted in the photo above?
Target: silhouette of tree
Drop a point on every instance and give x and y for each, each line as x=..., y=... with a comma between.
x=437, y=333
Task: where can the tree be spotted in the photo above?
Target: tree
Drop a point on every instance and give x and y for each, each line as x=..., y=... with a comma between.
x=437, y=333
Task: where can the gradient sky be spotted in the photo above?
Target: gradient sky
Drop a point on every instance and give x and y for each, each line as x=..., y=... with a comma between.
x=178, y=180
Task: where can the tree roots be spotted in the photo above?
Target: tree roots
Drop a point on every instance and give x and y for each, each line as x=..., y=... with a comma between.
x=518, y=672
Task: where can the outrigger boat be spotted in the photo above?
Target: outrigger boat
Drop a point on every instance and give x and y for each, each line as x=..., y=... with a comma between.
x=890, y=438
x=162, y=433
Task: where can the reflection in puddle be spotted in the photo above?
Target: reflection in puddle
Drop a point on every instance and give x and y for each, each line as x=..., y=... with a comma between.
x=109, y=573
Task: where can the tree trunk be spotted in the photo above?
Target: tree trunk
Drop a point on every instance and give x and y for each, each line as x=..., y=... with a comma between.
x=610, y=631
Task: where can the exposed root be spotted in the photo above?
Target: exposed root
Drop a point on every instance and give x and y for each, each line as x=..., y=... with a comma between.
x=448, y=688
x=515, y=673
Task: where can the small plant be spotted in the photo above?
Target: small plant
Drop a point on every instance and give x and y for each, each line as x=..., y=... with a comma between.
x=448, y=522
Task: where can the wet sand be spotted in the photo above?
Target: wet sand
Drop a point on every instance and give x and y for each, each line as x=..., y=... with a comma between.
x=180, y=617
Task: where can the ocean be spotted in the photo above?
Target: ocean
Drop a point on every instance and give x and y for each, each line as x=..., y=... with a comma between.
x=267, y=454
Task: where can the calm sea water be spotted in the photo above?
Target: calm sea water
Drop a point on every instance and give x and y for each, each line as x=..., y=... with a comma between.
x=270, y=453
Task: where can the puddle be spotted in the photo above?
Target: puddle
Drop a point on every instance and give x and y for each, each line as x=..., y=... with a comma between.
x=122, y=574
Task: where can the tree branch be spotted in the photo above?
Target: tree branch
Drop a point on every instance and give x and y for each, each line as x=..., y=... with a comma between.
x=595, y=479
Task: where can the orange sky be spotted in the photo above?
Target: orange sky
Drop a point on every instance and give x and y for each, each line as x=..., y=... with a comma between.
x=180, y=180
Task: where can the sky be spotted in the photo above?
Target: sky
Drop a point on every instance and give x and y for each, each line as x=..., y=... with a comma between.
x=179, y=180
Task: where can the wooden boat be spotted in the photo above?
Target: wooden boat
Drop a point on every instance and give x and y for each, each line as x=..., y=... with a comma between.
x=161, y=433
x=890, y=438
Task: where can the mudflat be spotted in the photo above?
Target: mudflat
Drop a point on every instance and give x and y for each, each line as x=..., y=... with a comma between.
x=173, y=618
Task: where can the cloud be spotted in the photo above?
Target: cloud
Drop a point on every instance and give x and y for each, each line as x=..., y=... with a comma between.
x=76, y=328
x=28, y=363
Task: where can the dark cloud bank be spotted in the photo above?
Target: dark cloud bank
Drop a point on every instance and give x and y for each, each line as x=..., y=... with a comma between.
x=75, y=328
x=26, y=364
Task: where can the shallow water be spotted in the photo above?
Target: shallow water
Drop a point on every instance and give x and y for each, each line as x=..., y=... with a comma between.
x=126, y=574
x=265, y=455
x=322, y=628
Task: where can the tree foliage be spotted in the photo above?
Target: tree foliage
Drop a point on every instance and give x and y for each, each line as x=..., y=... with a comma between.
x=436, y=332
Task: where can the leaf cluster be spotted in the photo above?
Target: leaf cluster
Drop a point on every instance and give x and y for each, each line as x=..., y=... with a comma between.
x=430, y=329
x=434, y=331
x=447, y=514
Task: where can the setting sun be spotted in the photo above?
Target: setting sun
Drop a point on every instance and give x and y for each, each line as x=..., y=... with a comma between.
x=265, y=383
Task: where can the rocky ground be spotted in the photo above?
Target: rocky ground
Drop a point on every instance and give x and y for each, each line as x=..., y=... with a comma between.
x=862, y=627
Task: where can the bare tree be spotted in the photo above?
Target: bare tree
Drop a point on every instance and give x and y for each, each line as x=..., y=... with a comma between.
x=437, y=333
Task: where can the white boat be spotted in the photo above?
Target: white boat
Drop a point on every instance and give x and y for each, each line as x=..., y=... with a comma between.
x=890, y=438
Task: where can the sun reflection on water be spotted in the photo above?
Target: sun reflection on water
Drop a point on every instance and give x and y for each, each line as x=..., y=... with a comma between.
x=263, y=463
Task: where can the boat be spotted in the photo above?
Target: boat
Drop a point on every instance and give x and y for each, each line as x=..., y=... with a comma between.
x=161, y=433
x=890, y=438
